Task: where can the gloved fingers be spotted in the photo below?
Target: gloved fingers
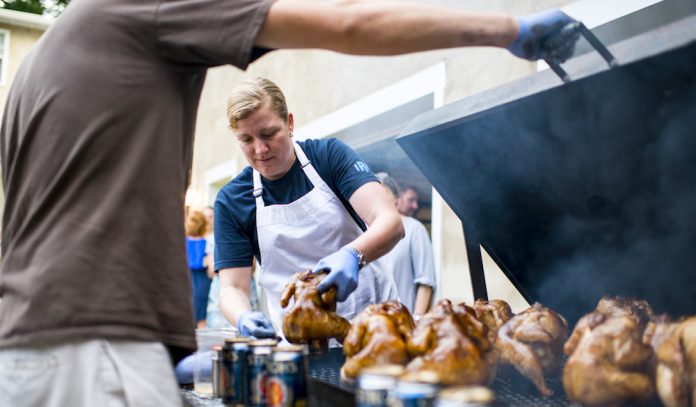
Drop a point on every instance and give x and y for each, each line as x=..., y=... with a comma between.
x=264, y=332
x=184, y=369
x=319, y=268
x=563, y=47
x=342, y=293
x=265, y=323
x=326, y=283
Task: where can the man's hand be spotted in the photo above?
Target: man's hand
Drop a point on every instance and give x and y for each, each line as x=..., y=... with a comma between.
x=256, y=324
x=343, y=273
x=540, y=37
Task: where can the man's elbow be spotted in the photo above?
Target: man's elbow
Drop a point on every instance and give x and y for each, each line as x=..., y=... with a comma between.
x=399, y=229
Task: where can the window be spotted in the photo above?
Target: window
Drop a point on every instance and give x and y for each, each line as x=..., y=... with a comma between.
x=4, y=53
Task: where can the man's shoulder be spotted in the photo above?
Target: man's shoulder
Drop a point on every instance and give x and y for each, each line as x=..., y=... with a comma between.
x=413, y=224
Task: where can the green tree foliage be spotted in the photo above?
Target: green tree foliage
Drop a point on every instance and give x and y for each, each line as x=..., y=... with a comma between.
x=52, y=7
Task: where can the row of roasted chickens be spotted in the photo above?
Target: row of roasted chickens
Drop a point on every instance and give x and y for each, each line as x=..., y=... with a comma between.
x=619, y=354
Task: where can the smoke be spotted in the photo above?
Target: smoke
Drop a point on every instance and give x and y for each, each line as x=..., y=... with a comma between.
x=586, y=189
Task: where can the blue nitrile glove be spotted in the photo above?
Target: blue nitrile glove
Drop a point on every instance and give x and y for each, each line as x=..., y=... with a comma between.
x=343, y=273
x=184, y=369
x=537, y=29
x=256, y=324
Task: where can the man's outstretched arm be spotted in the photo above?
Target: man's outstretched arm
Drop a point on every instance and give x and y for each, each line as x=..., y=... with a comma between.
x=379, y=27
x=383, y=27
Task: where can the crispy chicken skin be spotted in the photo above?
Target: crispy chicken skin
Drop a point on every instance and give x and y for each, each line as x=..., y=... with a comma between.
x=674, y=365
x=532, y=342
x=493, y=314
x=313, y=316
x=608, y=359
x=450, y=342
x=377, y=336
x=608, y=306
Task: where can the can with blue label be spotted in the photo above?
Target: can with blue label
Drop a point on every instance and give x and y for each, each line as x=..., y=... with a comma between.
x=466, y=396
x=287, y=383
x=418, y=389
x=233, y=378
x=258, y=359
x=375, y=385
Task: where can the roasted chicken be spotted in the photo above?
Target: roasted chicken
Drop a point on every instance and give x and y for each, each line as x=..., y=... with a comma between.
x=674, y=344
x=607, y=359
x=493, y=314
x=532, y=342
x=450, y=342
x=313, y=315
x=377, y=336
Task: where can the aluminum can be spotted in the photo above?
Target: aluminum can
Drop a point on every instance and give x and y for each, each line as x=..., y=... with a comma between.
x=258, y=359
x=287, y=383
x=375, y=385
x=216, y=376
x=466, y=396
x=233, y=378
x=415, y=390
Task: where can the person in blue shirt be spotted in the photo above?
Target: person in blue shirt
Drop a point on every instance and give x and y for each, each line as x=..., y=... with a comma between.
x=298, y=206
x=196, y=227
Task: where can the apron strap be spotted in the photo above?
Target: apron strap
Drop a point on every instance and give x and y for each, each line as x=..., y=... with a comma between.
x=258, y=189
x=307, y=167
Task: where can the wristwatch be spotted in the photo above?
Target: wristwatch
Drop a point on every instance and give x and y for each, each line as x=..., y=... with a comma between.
x=360, y=256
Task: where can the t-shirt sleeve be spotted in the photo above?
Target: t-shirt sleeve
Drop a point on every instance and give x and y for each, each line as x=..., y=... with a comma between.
x=422, y=256
x=233, y=248
x=203, y=33
x=349, y=171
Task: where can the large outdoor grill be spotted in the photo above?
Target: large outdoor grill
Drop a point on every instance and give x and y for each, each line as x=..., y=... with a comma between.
x=577, y=190
x=581, y=189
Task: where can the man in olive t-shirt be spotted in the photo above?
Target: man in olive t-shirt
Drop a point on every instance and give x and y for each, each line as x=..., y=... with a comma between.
x=96, y=146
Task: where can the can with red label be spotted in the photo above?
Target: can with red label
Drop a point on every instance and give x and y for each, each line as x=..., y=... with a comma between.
x=258, y=358
x=233, y=377
x=287, y=382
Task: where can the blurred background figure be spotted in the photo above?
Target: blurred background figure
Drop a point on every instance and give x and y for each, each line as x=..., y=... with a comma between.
x=213, y=316
x=196, y=229
x=407, y=201
x=411, y=261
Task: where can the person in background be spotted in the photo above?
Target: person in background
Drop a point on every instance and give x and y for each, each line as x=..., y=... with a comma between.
x=407, y=201
x=297, y=206
x=214, y=318
x=411, y=260
x=196, y=228
x=96, y=144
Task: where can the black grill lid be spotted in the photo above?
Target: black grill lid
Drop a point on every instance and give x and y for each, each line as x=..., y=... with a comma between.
x=582, y=189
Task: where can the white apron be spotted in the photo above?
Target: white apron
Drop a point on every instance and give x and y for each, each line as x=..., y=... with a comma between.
x=295, y=236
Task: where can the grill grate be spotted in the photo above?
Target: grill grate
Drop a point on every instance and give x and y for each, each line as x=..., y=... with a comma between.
x=510, y=388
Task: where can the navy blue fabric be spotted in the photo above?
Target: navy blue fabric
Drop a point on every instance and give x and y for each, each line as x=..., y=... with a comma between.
x=236, y=242
x=200, y=286
x=195, y=252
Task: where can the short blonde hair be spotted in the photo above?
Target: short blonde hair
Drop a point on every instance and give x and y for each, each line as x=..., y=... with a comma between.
x=252, y=94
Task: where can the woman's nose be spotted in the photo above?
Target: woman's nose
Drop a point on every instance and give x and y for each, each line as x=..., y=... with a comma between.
x=260, y=147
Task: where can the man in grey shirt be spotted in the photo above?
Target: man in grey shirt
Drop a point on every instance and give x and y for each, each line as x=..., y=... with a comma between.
x=96, y=147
